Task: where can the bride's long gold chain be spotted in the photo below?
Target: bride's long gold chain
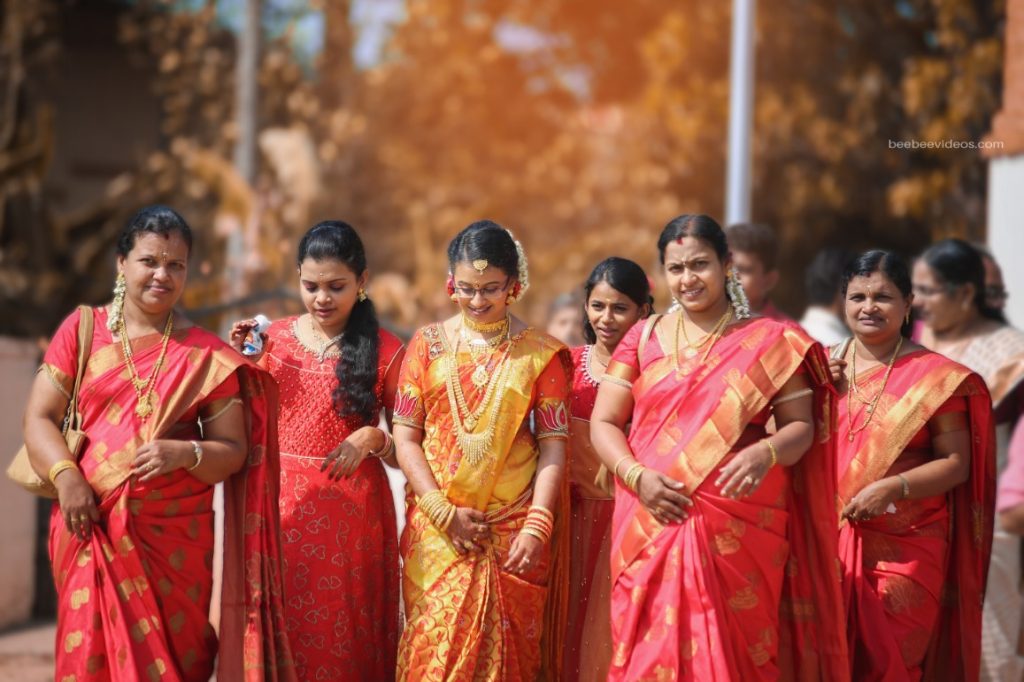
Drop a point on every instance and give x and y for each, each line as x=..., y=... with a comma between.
x=475, y=446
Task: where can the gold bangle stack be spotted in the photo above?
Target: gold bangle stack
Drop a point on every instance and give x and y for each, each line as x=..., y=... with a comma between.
x=615, y=471
x=438, y=509
x=59, y=468
x=632, y=478
x=772, y=451
x=540, y=523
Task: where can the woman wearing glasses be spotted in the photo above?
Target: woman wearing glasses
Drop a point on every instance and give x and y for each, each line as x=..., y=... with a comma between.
x=950, y=299
x=483, y=485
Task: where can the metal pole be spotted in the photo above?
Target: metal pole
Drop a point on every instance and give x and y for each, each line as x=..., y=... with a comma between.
x=246, y=117
x=741, y=112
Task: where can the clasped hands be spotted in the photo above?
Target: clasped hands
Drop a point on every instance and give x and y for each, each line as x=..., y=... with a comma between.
x=469, y=531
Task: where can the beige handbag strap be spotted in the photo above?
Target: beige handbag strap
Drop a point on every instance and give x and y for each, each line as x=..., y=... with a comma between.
x=645, y=335
x=86, y=322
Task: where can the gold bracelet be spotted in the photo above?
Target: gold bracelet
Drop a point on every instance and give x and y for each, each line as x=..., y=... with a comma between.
x=197, y=450
x=385, y=449
x=632, y=477
x=906, y=486
x=59, y=468
x=615, y=469
x=771, y=449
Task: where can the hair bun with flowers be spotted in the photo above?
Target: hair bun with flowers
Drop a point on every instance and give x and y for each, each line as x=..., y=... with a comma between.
x=523, y=268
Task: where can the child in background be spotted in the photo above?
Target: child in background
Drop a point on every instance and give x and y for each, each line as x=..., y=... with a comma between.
x=754, y=250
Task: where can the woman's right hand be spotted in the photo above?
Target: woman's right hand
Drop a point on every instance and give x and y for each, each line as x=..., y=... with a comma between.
x=239, y=332
x=77, y=503
x=659, y=495
x=468, y=530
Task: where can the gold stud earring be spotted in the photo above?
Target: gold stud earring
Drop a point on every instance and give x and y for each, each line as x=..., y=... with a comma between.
x=362, y=295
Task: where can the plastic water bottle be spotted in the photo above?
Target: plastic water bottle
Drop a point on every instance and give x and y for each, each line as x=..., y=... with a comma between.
x=254, y=343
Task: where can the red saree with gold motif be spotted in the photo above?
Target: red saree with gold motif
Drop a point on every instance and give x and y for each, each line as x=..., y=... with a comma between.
x=744, y=589
x=133, y=599
x=467, y=618
x=914, y=579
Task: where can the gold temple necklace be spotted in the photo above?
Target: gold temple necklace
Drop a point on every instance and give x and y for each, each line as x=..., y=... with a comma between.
x=144, y=387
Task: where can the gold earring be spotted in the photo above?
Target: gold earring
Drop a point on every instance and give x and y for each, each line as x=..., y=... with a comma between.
x=510, y=299
x=117, y=306
x=906, y=320
x=362, y=295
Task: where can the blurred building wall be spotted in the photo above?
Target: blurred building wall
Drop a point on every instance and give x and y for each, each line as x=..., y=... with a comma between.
x=107, y=116
x=1006, y=228
x=18, y=361
x=1006, y=169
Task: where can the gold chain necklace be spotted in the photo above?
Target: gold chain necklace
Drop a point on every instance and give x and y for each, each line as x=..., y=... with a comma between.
x=712, y=336
x=475, y=446
x=325, y=346
x=144, y=387
x=870, y=409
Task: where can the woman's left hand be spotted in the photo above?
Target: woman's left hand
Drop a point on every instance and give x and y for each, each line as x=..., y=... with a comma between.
x=160, y=457
x=874, y=499
x=743, y=475
x=524, y=554
x=342, y=461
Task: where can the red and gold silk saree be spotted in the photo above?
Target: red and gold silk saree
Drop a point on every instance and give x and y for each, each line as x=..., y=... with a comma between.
x=133, y=599
x=914, y=580
x=467, y=618
x=744, y=589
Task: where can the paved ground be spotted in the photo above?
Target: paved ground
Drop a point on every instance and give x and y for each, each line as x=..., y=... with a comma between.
x=26, y=654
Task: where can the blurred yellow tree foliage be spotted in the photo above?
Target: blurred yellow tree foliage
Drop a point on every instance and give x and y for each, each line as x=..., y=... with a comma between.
x=583, y=127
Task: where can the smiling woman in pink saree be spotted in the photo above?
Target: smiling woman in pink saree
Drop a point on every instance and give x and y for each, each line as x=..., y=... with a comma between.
x=724, y=533
x=168, y=411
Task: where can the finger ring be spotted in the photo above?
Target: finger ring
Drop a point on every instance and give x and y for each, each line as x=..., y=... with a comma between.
x=749, y=480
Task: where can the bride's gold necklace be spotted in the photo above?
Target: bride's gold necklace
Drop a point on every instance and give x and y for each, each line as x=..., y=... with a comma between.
x=144, y=387
x=480, y=349
x=475, y=446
